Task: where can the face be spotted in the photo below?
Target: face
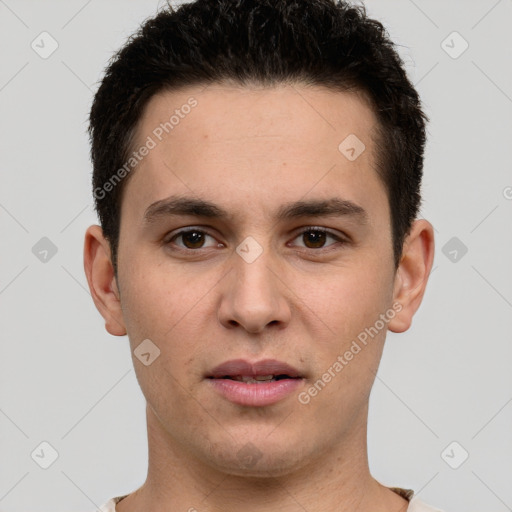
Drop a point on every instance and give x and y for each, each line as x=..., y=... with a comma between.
x=248, y=233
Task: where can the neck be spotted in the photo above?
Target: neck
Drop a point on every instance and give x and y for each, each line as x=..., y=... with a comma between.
x=337, y=481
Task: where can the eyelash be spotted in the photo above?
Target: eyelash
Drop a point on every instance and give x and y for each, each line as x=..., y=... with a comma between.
x=309, y=229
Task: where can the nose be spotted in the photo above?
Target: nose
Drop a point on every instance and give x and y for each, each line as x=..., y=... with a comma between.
x=253, y=297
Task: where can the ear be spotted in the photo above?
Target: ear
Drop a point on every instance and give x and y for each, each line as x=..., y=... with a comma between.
x=102, y=282
x=412, y=273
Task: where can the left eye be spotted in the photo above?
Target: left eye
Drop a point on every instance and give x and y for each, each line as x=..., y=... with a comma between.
x=311, y=238
x=316, y=237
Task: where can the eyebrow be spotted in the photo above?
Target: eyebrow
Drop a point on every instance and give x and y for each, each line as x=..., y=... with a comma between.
x=179, y=205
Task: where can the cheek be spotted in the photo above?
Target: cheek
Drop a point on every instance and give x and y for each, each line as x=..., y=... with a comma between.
x=170, y=307
x=162, y=309
x=349, y=308
x=346, y=300
x=154, y=299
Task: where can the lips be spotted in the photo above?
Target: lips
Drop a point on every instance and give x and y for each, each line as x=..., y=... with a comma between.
x=260, y=371
x=257, y=384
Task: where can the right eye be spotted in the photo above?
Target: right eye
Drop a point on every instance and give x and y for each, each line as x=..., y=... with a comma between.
x=191, y=238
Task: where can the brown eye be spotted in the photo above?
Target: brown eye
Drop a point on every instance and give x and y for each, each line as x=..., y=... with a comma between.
x=315, y=238
x=191, y=239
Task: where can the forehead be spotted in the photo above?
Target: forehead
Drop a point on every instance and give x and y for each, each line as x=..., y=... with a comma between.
x=255, y=144
x=227, y=112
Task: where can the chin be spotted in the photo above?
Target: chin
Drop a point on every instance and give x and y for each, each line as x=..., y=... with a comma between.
x=258, y=458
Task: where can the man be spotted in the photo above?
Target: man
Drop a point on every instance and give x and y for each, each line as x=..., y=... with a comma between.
x=257, y=171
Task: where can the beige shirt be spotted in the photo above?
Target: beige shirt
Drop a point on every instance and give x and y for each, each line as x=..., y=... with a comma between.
x=415, y=505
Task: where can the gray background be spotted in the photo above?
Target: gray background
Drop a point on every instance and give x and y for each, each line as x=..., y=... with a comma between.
x=65, y=381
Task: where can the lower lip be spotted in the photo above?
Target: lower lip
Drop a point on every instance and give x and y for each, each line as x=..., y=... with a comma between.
x=253, y=394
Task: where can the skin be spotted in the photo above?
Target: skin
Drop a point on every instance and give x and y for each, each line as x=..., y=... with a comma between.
x=251, y=150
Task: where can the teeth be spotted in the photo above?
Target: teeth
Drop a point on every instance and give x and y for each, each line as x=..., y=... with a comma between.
x=258, y=378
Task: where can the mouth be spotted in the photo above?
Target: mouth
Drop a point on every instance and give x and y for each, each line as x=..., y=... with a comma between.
x=255, y=379
x=260, y=371
x=255, y=384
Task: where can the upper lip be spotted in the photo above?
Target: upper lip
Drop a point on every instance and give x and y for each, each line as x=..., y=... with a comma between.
x=241, y=367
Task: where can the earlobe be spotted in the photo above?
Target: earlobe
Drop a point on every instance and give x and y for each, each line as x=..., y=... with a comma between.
x=413, y=273
x=102, y=283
